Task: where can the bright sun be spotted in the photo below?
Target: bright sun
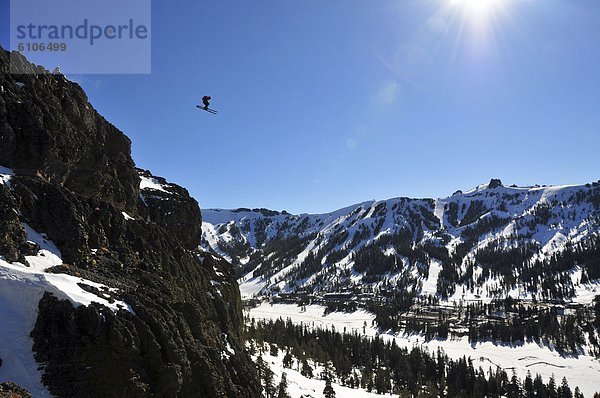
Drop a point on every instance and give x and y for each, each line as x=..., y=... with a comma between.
x=478, y=9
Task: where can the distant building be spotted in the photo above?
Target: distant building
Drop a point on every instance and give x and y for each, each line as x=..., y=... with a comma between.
x=338, y=297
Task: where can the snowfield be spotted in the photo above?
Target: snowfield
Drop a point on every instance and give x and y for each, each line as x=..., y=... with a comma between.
x=582, y=370
x=250, y=286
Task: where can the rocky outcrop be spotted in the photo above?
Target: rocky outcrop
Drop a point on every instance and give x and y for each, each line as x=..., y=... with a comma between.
x=171, y=347
x=494, y=183
x=182, y=336
x=172, y=208
x=12, y=233
x=48, y=128
x=11, y=390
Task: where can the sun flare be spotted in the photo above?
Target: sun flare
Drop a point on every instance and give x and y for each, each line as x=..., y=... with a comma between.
x=478, y=9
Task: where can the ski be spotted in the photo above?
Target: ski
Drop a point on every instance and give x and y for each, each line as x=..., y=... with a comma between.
x=207, y=110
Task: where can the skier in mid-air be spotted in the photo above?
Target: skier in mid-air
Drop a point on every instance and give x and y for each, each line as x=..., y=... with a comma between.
x=205, y=100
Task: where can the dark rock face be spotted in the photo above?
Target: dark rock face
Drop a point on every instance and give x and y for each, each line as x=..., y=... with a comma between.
x=494, y=183
x=155, y=352
x=172, y=208
x=12, y=234
x=48, y=127
x=186, y=308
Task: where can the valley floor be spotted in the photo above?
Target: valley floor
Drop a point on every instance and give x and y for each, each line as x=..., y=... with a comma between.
x=582, y=370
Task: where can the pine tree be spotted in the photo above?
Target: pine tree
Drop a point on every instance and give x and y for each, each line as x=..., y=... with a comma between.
x=274, y=350
x=269, y=383
x=382, y=381
x=282, y=389
x=328, y=391
x=578, y=393
x=287, y=360
x=326, y=373
x=252, y=348
x=265, y=375
x=513, y=389
x=552, y=392
x=366, y=376
x=539, y=387
x=307, y=370
x=260, y=365
x=528, y=386
x=564, y=391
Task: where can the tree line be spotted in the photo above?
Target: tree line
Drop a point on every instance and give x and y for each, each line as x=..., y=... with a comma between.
x=381, y=366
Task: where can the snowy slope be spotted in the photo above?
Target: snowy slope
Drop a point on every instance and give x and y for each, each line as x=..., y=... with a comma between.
x=417, y=238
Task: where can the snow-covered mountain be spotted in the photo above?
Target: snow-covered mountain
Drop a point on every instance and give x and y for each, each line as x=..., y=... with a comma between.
x=490, y=241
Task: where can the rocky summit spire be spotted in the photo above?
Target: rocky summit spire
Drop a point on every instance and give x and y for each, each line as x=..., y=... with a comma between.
x=494, y=183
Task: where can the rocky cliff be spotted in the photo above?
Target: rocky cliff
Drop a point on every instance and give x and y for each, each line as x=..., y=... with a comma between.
x=74, y=180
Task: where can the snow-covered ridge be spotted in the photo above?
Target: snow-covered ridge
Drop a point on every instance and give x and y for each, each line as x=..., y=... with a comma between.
x=285, y=252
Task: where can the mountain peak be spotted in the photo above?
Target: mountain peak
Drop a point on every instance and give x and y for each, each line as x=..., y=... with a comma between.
x=494, y=183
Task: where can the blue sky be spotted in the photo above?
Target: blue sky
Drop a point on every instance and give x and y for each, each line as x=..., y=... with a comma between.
x=323, y=104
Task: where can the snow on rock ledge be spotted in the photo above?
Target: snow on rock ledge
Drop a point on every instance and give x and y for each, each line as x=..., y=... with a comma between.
x=151, y=183
x=5, y=175
x=21, y=288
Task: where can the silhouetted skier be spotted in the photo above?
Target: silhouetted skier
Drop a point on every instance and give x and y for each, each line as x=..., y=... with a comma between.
x=205, y=100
